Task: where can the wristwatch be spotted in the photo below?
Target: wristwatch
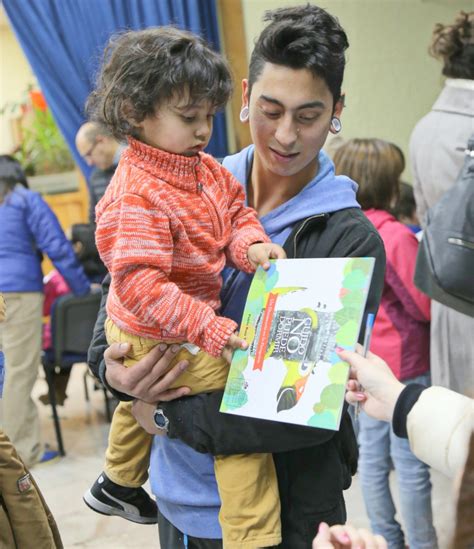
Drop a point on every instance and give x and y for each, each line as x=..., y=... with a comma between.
x=160, y=420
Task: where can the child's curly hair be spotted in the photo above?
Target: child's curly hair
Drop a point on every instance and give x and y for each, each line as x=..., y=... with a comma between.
x=454, y=45
x=141, y=69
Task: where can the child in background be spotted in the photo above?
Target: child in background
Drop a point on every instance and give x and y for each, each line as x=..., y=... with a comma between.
x=170, y=220
x=401, y=337
x=54, y=286
x=405, y=208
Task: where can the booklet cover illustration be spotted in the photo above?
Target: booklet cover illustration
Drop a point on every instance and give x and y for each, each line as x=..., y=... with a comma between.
x=295, y=316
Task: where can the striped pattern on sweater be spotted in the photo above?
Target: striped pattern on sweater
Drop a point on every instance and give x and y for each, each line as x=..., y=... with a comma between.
x=166, y=227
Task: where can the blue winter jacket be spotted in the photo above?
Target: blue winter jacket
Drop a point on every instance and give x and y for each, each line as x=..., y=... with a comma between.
x=27, y=227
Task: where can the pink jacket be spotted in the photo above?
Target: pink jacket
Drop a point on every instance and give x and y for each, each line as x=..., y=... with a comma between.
x=402, y=328
x=54, y=287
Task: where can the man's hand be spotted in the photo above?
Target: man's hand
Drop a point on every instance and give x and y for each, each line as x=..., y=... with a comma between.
x=150, y=378
x=259, y=254
x=235, y=342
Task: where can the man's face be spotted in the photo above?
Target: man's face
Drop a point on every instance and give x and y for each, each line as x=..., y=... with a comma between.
x=290, y=117
x=98, y=152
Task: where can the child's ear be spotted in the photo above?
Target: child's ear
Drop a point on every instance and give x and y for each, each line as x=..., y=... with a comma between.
x=128, y=112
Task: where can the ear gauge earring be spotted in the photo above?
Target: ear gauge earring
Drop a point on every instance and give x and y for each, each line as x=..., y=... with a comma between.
x=244, y=114
x=336, y=125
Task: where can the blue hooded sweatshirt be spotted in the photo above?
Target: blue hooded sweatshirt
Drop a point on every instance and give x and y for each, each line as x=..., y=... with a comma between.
x=182, y=479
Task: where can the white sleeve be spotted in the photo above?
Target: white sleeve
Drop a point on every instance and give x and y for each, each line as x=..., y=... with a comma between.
x=439, y=427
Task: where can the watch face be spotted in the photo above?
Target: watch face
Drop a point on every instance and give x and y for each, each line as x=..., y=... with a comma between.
x=161, y=421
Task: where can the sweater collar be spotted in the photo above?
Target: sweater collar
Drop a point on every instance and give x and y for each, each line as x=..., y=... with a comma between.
x=176, y=169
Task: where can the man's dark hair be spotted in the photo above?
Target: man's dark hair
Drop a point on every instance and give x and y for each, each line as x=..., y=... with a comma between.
x=141, y=69
x=302, y=37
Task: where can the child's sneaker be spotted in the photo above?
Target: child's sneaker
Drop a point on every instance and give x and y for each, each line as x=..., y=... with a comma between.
x=108, y=498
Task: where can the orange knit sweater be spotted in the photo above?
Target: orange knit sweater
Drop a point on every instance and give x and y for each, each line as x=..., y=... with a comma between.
x=166, y=227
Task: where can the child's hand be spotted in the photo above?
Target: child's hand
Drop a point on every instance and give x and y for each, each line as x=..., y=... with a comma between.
x=235, y=342
x=259, y=254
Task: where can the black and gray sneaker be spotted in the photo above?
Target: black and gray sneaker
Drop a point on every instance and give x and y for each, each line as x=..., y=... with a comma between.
x=108, y=498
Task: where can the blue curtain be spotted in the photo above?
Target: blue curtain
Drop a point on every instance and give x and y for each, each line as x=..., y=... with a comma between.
x=63, y=41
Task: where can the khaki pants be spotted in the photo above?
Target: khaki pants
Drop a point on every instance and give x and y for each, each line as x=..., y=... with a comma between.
x=25, y=519
x=248, y=488
x=20, y=337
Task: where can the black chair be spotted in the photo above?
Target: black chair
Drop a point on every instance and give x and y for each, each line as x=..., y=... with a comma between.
x=72, y=325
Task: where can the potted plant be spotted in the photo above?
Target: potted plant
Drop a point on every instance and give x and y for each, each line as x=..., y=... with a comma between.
x=41, y=149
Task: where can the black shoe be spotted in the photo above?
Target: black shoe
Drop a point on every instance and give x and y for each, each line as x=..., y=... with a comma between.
x=133, y=504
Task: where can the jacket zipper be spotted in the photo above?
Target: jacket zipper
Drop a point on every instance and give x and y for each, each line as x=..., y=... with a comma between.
x=298, y=232
x=461, y=242
x=212, y=209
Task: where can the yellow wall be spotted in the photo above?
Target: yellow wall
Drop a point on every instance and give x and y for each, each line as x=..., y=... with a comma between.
x=390, y=80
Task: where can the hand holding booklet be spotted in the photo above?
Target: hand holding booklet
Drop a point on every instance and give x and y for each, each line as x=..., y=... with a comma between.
x=297, y=313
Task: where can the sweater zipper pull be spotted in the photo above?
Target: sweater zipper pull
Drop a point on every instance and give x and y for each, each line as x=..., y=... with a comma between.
x=199, y=187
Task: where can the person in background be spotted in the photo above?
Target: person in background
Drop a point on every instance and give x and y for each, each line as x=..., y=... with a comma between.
x=99, y=149
x=28, y=229
x=405, y=208
x=25, y=519
x=401, y=337
x=437, y=147
x=54, y=286
x=438, y=423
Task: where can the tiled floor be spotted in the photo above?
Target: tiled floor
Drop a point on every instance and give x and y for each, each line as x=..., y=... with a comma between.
x=85, y=433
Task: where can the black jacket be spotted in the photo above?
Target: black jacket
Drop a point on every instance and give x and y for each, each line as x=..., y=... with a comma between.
x=98, y=183
x=313, y=465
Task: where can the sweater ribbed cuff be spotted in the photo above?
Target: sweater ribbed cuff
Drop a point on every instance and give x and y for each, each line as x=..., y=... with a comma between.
x=217, y=334
x=405, y=403
x=242, y=247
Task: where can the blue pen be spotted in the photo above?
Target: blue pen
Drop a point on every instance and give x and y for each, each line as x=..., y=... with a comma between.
x=368, y=334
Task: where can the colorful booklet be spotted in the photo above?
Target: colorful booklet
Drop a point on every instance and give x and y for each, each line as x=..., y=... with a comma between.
x=296, y=314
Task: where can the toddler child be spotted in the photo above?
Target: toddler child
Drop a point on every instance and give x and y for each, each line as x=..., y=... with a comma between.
x=170, y=220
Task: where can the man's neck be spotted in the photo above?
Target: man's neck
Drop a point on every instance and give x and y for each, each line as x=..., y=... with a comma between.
x=267, y=191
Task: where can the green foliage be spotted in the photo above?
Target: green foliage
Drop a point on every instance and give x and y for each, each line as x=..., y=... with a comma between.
x=43, y=149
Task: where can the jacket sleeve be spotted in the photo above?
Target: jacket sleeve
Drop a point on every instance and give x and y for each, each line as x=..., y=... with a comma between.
x=197, y=422
x=98, y=344
x=420, y=199
x=444, y=448
x=140, y=262
x=246, y=228
x=51, y=239
x=401, y=263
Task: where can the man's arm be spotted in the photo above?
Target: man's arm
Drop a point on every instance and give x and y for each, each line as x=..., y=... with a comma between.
x=148, y=380
x=98, y=344
x=197, y=422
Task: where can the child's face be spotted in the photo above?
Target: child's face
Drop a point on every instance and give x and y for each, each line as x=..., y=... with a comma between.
x=179, y=126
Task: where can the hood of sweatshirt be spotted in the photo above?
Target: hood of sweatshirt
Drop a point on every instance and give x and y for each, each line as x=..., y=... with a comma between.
x=325, y=193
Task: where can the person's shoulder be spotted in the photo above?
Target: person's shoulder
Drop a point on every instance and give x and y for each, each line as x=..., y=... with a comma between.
x=352, y=220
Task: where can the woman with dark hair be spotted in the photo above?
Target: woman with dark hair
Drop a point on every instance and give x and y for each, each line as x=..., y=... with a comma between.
x=28, y=228
x=401, y=337
x=291, y=100
x=437, y=147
